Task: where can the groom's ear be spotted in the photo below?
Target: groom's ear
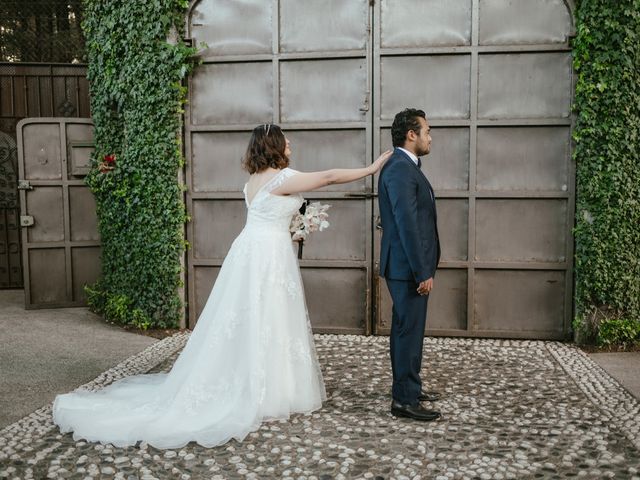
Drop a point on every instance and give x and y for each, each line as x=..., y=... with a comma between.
x=410, y=136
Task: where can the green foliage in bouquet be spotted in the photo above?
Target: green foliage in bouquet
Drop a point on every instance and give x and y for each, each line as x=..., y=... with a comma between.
x=137, y=96
x=607, y=154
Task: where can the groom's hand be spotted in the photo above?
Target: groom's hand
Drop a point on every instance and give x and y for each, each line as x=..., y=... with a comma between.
x=425, y=287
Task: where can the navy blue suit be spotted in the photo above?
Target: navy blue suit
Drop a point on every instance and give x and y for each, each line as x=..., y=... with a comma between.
x=409, y=254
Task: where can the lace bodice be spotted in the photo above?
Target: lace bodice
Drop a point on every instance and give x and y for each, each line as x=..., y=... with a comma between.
x=272, y=211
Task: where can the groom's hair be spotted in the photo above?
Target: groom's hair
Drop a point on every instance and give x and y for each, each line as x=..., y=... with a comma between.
x=403, y=122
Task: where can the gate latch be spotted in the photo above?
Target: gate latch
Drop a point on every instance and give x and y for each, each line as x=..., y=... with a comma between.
x=26, y=220
x=24, y=185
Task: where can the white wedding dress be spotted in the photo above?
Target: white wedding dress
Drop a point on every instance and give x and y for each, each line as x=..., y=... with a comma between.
x=250, y=357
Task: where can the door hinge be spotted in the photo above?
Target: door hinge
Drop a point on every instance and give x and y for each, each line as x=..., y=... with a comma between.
x=26, y=220
x=24, y=185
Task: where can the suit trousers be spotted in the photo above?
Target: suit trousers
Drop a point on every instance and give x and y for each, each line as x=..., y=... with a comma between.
x=407, y=335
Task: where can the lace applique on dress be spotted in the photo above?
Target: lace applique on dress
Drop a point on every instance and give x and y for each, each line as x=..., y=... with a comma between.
x=250, y=357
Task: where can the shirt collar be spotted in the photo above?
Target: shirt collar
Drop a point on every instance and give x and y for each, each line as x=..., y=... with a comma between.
x=410, y=154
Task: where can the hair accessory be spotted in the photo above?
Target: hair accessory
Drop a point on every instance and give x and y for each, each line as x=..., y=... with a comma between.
x=267, y=127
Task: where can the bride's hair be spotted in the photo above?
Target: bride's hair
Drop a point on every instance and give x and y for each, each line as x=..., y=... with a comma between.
x=266, y=149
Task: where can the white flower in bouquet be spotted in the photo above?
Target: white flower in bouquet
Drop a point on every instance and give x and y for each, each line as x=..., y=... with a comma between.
x=311, y=218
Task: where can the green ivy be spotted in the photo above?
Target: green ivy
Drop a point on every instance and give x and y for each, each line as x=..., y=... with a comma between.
x=137, y=95
x=624, y=332
x=607, y=154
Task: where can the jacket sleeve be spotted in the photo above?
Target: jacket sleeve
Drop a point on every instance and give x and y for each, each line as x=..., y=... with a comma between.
x=402, y=189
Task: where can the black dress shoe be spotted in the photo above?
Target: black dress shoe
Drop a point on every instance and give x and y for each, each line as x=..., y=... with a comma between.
x=429, y=396
x=417, y=412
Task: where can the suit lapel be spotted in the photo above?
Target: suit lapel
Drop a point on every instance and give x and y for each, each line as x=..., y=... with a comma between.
x=420, y=174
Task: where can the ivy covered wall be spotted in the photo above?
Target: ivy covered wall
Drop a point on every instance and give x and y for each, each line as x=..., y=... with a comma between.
x=136, y=100
x=607, y=154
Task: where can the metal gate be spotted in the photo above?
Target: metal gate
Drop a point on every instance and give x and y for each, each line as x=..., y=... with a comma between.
x=306, y=66
x=60, y=240
x=29, y=90
x=495, y=79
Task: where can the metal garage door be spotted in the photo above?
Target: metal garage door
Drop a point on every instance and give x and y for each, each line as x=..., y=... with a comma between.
x=306, y=66
x=495, y=79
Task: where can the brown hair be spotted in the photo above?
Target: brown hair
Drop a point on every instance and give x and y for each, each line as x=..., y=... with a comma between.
x=266, y=149
x=403, y=122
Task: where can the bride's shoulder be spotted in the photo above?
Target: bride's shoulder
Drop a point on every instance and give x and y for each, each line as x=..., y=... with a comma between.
x=289, y=172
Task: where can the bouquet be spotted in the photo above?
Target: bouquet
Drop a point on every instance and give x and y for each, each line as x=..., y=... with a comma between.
x=312, y=217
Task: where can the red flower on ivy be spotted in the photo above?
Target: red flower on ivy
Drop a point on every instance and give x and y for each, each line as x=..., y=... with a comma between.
x=108, y=163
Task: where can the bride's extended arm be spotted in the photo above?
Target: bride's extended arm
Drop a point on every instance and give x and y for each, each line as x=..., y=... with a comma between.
x=306, y=182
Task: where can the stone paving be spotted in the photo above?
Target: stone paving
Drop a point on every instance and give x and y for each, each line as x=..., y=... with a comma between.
x=511, y=409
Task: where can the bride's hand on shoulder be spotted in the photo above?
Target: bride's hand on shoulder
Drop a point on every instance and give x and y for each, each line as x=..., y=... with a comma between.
x=380, y=161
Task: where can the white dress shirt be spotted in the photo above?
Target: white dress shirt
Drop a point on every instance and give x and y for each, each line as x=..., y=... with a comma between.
x=411, y=155
x=415, y=160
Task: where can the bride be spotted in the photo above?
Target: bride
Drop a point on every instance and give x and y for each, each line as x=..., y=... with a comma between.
x=251, y=356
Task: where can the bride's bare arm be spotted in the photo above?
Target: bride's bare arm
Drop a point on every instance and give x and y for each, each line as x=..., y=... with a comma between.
x=306, y=182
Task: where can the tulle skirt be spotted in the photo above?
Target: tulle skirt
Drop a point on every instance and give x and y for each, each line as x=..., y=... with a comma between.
x=250, y=358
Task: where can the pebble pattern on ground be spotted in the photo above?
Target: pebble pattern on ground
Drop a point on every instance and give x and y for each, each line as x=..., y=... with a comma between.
x=511, y=410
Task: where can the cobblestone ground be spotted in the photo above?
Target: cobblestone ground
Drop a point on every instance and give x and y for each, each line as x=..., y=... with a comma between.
x=511, y=409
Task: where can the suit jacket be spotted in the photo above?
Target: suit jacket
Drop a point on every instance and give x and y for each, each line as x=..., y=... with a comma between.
x=410, y=247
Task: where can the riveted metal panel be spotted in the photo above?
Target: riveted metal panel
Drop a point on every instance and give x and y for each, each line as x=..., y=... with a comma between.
x=523, y=158
x=521, y=230
x=524, y=85
x=42, y=154
x=447, y=309
x=49, y=226
x=440, y=84
x=83, y=221
x=232, y=93
x=323, y=25
x=323, y=90
x=419, y=23
x=336, y=299
x=513, y=22
x=226, y=218
x=215, y=23
x=526, y=301
x=342, y=148
x=453, y=217
x=214, y=152
x=48, y=276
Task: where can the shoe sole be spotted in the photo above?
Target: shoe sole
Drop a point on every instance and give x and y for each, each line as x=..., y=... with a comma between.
x=404, y=415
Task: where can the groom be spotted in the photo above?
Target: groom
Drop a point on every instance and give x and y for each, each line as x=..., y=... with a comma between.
x=409, y=255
